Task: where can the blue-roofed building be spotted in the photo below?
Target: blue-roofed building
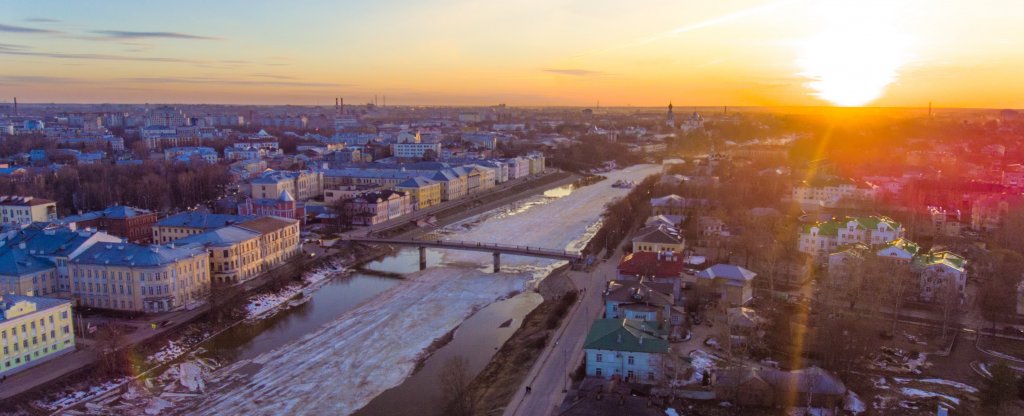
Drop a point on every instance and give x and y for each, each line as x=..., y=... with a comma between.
x=34, y=330
x=187, y=153
x=132, y=277
x=48, y=245
x=189, y=223
x=234, y=253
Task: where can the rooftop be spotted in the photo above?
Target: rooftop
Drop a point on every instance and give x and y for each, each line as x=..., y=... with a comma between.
x=625, y=335
x=202, y=220
x=129, y=254
x=267, y=224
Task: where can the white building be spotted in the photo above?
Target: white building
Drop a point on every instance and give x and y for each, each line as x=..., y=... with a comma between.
x=942, y=273
x=831, y=193
x=822, y=238
x=414, y=150
x=20, y=210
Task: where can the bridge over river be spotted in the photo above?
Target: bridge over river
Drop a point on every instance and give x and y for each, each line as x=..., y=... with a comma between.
x=496, y=249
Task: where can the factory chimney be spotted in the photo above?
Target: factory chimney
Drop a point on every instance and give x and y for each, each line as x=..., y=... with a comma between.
x=15, y=105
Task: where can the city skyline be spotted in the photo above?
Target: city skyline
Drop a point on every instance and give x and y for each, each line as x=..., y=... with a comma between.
x=570, y=53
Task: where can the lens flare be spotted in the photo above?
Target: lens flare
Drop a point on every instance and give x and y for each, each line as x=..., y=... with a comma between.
x=857, y=54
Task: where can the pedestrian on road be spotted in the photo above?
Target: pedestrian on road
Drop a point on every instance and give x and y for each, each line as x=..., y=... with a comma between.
x=528, y=389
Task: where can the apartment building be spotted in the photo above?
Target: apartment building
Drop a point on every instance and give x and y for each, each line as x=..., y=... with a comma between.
x=20, y=210
x=33, y=330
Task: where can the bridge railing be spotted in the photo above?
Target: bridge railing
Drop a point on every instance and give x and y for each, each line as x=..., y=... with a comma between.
x=475, y=244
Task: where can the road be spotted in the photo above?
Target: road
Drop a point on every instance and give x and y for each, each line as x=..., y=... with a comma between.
x=549, y=375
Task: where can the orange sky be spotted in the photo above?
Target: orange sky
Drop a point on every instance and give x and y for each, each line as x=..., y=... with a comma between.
x=530, y=52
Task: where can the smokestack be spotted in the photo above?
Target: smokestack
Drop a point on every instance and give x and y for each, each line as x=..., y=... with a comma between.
x=15, y=105
x=341, y=109
x=336, y=105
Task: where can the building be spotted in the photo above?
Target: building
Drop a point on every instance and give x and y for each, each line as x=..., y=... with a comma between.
x=283, y=206
x=670, y=118
x=422, y=192
x=33, y=330
x=187, y=153
x=642, y=301
x=235, y=253
x=943, y=222
x=626, y=349
x=332, y=196
x=668, y=205
x=942, y=275
x=134, y=224
x=376, y=207
x=824, y=237
x=279, y=239
x=184, y=224
x=20, y=210
x=303, y=185
x=35, y=259
x=658, y=238
x=745, y=386
x=832, y=192
x=415, y=150
x=136, y=278
x=733, y=284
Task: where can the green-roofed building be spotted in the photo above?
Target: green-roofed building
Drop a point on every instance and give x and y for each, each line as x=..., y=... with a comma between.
x=824, y=237
x=942, y=274
x=626, y=349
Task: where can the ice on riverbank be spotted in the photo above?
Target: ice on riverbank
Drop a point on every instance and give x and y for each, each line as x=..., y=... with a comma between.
x=362, y=353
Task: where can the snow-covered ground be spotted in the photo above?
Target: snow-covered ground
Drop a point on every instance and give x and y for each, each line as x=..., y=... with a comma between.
x=954, y=384
x=918, y=393
x=346, y=363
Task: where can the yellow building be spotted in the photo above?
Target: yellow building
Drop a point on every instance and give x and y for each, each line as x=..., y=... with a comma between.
x=131, y=277
x=33, y=330
x=279, y=239
x=423, y=192
x=235, y=254
x=186, y=224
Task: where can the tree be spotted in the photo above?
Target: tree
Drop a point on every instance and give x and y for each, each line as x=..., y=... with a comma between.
x=1001, y=388
x=457, y=399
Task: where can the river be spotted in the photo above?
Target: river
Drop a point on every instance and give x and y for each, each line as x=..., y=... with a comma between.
x=352, y=348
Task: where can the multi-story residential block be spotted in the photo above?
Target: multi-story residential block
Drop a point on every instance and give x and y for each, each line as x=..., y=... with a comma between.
x=185, y=154
x=376, y=207
x=35, y=259
x=33, y=330
x=626, y=349
x=134, y=224
x=943, y=222
x=20, y=210
x=942, y=274
x=132, y=277
x=822, y=238
x=235, y=253
x=415, y=150
x=832, y=192
x=184, y=224
x=303, y=185
x=423, y=192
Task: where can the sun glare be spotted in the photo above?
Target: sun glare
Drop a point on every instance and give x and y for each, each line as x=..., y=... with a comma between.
x=858, y=52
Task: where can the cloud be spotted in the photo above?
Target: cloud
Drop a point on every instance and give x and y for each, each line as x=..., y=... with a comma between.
x=28, y=30
x=121, y=35
x=573, y=72
x=224, y=81
x=35, y=79
x=96, y=56
x=11, y=47
x=42, y=20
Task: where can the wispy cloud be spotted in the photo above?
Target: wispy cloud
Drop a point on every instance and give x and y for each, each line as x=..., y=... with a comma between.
x=27, y=30
x=573, y=72
x=12, y=47
x=122, y=34
x=225, y=81
x=42, y=20
x=96, y=56
x=35, y=79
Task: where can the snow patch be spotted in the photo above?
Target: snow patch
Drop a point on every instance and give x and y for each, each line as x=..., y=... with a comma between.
x=853, y=403
x=927, y=394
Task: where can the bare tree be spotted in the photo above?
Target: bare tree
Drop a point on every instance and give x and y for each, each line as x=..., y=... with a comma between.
x=457, y=399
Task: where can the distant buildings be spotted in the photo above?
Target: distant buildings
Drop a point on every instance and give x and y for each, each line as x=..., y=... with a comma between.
x=415, y=150
x=20, y=210
x=302, y=185
x=240, y=252
x=373, y=208
x=732, y=284
x=33, y=330
x=832, y=192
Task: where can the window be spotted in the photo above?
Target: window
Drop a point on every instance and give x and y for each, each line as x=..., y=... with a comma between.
x=598, y=358
x=631, y=360
x=597, y=372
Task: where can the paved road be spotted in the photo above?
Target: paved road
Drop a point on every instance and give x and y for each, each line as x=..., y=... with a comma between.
x=550, y=373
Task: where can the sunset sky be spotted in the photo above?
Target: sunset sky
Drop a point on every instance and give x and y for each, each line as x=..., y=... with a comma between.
x=521, y=52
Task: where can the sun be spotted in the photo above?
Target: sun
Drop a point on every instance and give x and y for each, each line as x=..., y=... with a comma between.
x=856, y=54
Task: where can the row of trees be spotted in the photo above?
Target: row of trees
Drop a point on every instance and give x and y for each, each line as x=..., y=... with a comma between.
x=154, y=185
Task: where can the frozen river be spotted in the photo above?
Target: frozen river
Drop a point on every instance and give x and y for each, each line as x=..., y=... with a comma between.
x=341, y=365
